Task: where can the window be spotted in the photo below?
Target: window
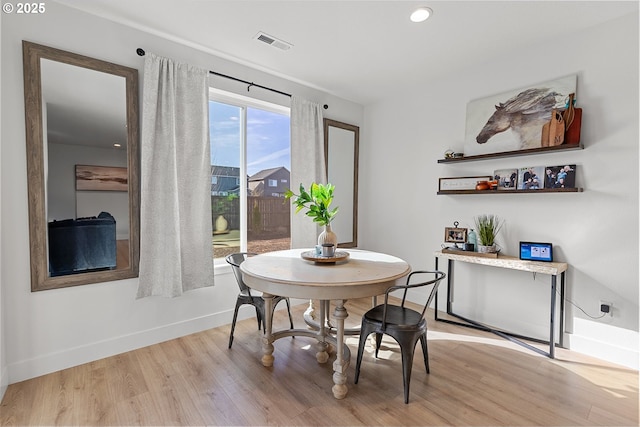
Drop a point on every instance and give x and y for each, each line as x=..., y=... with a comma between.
x=250, y=141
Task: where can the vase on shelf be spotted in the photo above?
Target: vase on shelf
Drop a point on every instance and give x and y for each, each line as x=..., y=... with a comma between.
x=328, y=236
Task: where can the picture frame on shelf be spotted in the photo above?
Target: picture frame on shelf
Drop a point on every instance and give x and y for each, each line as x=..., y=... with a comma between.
x=460, y=183
x=563, y=176
x=507, y=178
x=455, y=235
x=531, y=178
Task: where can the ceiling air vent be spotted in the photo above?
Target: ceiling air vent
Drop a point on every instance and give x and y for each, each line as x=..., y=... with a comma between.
x=272, y=41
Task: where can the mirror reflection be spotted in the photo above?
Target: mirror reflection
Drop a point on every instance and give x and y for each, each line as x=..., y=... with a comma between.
x=82, y=164
x=341, y=152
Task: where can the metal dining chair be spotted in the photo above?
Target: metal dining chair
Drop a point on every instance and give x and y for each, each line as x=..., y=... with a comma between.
x=405, y=325
x=250, y=296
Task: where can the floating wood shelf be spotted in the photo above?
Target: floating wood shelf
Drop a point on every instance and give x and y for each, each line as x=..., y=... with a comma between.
x=541, y=150
x=542, y=190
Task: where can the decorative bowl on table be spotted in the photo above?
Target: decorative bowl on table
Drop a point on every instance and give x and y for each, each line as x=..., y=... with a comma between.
x=338, y=256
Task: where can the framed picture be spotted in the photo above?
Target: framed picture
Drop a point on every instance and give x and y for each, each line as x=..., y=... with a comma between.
x=563, y=176
x=513, y=120
x=461, y=183
x=455, y=235
x=507, y=178
x=101, y=178
x=531, y=178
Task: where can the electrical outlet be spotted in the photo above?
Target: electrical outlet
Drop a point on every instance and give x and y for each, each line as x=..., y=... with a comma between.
x=606, y=308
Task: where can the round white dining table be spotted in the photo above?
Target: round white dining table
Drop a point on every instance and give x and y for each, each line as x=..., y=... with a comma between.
x=285, y=273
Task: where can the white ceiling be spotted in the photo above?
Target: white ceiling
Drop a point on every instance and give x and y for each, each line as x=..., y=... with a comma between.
x=358, y=50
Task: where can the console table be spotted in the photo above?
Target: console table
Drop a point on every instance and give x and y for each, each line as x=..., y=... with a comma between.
x=553, y=269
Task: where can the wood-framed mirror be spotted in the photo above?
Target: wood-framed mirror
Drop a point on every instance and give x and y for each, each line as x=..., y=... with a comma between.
x=341, y=141
x=81, y=118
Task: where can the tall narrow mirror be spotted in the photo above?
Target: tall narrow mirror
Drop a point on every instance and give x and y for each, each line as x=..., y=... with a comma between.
x=82, y=168
x=341, y=153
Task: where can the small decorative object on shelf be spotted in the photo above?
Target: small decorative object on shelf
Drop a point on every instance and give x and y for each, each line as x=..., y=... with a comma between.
x=531, y=178
x=483, y=186
x=457, y=235
x=488, y=226
x=507, y=178
x=553, y=130
x=472, y=240
x=317, y=201
x=450, y=154
x=461, y=183
x=560, y=176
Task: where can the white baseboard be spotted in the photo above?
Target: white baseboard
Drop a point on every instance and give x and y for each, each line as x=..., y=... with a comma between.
x=623, y=356
x=4, y=382
x=605, y=341
x=27, y=369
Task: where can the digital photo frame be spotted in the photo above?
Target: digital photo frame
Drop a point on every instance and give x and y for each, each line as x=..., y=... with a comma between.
x=535, y=251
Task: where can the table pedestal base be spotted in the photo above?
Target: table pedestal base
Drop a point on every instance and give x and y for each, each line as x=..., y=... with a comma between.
x=343, y=354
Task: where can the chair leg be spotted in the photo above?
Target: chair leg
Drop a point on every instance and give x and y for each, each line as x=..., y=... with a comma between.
x=425, y=351
x=259, y=317
x=361, y=343
x=233, y=323
x=407, y=364
x=289, y=311
x=378, y=342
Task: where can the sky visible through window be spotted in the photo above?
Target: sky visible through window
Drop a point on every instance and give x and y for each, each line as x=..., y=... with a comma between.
x=268, y=138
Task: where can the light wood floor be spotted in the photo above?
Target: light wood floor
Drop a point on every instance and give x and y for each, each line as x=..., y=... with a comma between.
x=476, y=379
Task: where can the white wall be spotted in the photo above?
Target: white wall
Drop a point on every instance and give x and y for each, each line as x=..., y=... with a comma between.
x=4, y=377
x=596, y=231
x=51, y=330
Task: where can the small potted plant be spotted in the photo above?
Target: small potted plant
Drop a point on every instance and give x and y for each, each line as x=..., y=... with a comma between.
x=488, y=227
x=318, y=203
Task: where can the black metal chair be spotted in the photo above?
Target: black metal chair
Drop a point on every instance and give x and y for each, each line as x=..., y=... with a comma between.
x=405, y=325
x=249, y=296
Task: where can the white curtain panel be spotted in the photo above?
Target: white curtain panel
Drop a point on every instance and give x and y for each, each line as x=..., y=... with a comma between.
x=176, y=253
x=307, y=164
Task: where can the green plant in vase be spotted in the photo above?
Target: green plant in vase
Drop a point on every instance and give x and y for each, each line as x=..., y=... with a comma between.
x=317, y=201
x=488, y=227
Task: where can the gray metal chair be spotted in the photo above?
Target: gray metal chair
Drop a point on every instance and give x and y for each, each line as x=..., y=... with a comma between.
x=405, y=325
x=246, y=297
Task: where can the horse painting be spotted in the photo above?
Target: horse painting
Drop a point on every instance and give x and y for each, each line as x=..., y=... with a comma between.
x=524, y=114
x=513, y=120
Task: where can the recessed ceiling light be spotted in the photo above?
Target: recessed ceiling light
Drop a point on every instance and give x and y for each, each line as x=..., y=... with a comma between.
x=421, y=14
x=117, y=144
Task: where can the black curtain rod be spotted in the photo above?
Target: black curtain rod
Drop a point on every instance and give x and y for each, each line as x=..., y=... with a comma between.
x=141, y=52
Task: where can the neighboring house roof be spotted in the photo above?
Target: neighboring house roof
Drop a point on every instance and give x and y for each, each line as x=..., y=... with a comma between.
x=225, y=171
x=266, y=173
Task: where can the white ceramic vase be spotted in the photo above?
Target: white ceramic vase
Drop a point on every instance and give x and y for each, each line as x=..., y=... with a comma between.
x=328, y=236
x=221, y=223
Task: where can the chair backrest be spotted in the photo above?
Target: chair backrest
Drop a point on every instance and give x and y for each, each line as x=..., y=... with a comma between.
x=417, y=279
x=235, y=260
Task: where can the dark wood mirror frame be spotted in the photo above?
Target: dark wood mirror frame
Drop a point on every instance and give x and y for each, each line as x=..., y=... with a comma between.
x=40, y=278
x=328, y=124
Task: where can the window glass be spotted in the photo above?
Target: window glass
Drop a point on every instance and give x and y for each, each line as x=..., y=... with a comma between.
x=253, y=143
